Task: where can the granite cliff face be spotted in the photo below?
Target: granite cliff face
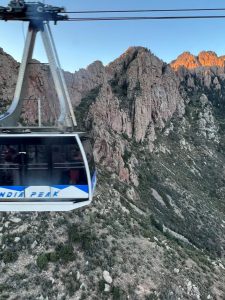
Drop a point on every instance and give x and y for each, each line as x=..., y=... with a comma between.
x=204, y=59
x=139, y=95
x=7, y=78
x=156, y=227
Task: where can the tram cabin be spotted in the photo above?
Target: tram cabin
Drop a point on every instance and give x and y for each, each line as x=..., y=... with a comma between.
x=46, y=171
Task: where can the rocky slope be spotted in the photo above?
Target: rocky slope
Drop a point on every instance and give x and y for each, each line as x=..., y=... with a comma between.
x=156, y=227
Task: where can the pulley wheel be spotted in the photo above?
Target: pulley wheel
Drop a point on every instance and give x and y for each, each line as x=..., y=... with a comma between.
x=40, y=9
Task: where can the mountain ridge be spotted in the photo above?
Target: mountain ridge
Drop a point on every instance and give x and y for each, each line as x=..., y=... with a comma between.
x=203, y=59
x=156, y=227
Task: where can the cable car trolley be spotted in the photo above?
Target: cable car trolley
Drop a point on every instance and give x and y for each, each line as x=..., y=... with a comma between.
x=43, y=168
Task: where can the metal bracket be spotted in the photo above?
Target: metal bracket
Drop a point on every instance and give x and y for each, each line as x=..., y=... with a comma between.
x=66, y=118
x=19, y=10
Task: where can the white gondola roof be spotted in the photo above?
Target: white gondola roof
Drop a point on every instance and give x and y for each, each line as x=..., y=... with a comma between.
x=40, y=134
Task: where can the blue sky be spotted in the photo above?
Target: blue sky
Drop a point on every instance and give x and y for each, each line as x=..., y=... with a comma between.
x=79, y=44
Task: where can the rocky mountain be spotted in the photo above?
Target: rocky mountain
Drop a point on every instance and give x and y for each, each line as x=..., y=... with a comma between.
x=156, y=227
x=204, y=59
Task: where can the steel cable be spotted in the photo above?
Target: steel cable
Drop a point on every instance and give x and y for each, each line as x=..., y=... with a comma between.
x=122, y=18
x=144, y=10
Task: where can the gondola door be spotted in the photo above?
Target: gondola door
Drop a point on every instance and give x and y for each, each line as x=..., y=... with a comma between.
x=37, y=169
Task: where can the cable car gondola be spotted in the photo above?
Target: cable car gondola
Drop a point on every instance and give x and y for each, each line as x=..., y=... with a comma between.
x=43, y=169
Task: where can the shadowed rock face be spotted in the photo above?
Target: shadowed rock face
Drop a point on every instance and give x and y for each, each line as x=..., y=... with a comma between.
x=156, y=227
x=7, y=78
x=139, y=95
x=204, y=59
x=40, y=80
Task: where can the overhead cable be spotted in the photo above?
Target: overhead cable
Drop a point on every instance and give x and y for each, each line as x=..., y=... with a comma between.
x=143, y=18
x=144, y=10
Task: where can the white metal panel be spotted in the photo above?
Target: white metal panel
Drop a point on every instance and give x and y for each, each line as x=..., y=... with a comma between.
x=37, y=192
x=9, y=193
x=41, y=206
x=86, y=166
x=35, y=134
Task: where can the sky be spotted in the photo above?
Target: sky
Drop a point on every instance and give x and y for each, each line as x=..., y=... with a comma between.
x=80, y=44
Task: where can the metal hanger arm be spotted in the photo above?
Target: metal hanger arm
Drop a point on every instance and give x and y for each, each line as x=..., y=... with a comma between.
x=12, y=115
x=66, y=117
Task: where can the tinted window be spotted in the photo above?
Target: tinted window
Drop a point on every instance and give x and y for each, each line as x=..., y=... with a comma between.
x=67, y=161
x=37, y=165
x=42, y=161
x=37, y=154
x=9, y=167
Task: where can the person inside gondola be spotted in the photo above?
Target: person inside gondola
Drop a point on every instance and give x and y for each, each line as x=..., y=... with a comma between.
x=74, y=173
x=10, y=175
x=10, y=154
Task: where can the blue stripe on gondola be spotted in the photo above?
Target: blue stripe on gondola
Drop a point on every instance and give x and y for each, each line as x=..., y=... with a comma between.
x=14, y=188
x=83, y=188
